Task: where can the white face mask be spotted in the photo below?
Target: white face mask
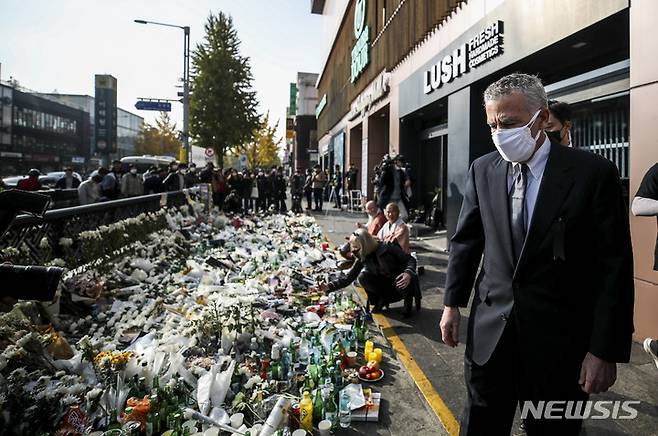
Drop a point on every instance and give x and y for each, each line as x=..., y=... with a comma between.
x=516, y=144
x=133, y=171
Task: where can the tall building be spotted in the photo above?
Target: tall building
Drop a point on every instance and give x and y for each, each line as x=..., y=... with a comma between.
x=128, y=124
x=306, y=138
x=37, y=132
x=407, y=77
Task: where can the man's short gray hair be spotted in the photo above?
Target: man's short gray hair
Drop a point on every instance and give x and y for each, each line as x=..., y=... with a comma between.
x=528, y=85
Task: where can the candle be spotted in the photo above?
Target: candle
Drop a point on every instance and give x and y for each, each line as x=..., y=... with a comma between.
x=378, y=354
x=368, y=349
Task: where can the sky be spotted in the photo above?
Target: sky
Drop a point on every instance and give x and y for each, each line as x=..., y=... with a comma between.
x=59, y=45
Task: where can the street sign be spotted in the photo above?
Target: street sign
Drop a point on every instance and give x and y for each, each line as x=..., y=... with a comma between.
x=162, y=106
x=209, y=152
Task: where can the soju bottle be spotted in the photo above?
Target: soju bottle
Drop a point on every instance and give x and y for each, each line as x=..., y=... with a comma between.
x=338, y=376
x=318, y=407
x=275, y=370
x=331, y=410
x=114, y=422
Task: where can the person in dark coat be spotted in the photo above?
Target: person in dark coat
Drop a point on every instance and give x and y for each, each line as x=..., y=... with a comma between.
x=308, y=189
x=174, y=181
x=280, y=186
x=386, y=273
x=351, y=177
x=337, y=186
x=153, y=182
x=552, y=310
x=245, y=190
x=68, y=180
x=232, y=203
x=206, y=174
x=191, y=176
x=264, y=189
x=392, y=187
x=296, y=191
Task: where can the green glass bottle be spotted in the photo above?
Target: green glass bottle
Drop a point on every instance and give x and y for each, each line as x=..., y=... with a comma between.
x=338, y=376
x=156, y=385
x=275, y=370
x=331, y=410
x=318, y=407
x=157, y=423
x=114, y=422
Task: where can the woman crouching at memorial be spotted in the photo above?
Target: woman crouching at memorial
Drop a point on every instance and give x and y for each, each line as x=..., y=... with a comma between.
x=386, y=273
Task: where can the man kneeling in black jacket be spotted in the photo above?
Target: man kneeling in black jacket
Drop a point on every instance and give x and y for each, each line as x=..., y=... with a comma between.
x=386, y=273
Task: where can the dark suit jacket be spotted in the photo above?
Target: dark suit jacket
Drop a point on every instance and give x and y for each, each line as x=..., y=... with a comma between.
x=572, y=289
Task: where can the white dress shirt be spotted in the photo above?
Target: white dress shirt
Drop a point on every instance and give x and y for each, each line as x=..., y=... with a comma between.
x=536, y=167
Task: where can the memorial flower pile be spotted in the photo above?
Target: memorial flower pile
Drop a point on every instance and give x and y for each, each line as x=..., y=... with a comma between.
x=194, y=320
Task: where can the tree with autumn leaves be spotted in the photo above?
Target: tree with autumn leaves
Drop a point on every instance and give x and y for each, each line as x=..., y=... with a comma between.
x=159, y=140
x=263, y=149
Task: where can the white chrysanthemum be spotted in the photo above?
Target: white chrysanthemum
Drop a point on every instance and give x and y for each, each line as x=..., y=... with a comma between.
x=93, y=394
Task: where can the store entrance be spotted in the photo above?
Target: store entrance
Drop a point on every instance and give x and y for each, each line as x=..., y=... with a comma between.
x=355, y=152
x=432, y=177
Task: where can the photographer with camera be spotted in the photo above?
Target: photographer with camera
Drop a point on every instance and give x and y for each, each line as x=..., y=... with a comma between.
x=391, y=183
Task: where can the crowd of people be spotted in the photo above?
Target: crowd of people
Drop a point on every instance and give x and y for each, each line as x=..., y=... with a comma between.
x=121, y=181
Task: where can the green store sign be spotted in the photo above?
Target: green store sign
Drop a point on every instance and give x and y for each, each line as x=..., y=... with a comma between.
x=360, y=52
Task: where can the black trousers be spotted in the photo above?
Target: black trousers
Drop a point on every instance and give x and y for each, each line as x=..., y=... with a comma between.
x=381, y=290
x=317, y=195
x=296, y=206
x=309, y=199
x=337, y=199
x=496, y=388
x=261, y=203
x=281, y=204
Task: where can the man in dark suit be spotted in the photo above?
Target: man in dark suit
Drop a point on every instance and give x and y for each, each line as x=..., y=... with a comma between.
x=553, y=306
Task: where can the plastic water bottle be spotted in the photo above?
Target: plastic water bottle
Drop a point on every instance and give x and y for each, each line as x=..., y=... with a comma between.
x=345, y=410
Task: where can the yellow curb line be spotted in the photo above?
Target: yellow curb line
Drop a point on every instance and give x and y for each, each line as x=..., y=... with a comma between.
x=432, y=397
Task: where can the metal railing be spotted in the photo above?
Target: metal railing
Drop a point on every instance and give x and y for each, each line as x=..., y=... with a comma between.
x=27, y=232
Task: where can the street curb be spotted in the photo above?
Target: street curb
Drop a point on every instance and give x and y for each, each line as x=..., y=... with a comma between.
x=433, y=398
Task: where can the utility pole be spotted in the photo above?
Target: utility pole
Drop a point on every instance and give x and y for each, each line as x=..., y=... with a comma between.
x=186, y=84
x=186, y=95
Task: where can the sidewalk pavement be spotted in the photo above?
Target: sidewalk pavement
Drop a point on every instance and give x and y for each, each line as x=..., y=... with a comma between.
x=443, y=366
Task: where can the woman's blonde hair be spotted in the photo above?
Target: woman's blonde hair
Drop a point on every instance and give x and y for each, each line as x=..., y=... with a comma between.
x=365, y=242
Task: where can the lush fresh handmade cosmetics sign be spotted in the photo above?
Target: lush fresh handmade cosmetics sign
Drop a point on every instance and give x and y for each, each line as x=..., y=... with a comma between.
x=481, y=48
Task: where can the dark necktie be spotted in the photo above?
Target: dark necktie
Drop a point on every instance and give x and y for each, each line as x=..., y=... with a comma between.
x=517, y=210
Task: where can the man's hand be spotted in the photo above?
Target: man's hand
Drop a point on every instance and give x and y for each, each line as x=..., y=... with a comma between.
x=597, y=375
x=450, y=326
x=403, y=280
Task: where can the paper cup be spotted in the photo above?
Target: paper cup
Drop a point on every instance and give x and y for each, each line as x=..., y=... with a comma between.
x=213, y=431
x=324, y=427
x=236, y=420
x=299, y=432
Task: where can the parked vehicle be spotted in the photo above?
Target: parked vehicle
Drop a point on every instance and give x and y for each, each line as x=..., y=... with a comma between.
x=47, y=180
x=143, y=163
